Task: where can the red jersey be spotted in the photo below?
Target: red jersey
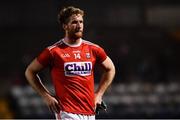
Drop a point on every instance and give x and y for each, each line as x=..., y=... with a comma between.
x=72, y=72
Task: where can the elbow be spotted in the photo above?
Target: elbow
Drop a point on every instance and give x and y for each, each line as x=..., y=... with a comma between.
x=26, y=73
x=29, y=73
x=113, y=69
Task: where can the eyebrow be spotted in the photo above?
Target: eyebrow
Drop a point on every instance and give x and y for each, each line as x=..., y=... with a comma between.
x=76, y=21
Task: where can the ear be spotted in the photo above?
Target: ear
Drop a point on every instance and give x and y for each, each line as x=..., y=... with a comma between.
x=64, y=26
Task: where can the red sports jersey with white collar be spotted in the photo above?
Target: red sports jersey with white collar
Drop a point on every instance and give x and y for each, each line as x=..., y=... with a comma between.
x=72, y=72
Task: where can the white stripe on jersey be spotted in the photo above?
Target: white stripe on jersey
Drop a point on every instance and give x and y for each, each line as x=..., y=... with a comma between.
x=55, y=44
x=90, y=43
x=61, y=41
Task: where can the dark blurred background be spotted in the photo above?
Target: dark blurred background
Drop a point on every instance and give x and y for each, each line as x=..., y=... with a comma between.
x=141, y=36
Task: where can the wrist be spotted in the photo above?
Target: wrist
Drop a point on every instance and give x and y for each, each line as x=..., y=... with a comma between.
x=46, y=95
x=98, y=93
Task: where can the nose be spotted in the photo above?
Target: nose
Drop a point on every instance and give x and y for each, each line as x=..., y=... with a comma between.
x=78, y=24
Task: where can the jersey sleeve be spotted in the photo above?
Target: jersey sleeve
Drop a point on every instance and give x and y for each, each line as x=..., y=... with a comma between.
x=100, y=54
x=45, y=57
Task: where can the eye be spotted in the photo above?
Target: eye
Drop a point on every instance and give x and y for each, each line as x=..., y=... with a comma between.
x=81, y=21
x=74, y=22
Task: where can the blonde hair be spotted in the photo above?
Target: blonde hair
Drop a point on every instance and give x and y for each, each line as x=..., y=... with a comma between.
x=65, y=13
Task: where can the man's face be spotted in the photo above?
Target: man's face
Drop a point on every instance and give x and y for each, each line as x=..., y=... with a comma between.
x=74, y=28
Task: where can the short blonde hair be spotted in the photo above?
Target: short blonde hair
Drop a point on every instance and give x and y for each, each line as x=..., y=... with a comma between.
x=66, y=12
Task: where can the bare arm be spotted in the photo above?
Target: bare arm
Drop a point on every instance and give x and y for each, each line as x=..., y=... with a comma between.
x=106, y=79
x=34, y=80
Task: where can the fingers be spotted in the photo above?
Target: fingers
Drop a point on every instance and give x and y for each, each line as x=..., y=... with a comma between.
x=57, y=107
x=97, y=103
x=53, y=105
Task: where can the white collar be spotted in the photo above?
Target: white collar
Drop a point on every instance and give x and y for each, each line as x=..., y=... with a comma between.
x=72, y=45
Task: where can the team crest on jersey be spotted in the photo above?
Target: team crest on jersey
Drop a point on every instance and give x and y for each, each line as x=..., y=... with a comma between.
x=77, y=68
x=88, y=55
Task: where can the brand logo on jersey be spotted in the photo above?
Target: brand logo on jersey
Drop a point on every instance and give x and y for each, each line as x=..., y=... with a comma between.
x=65, y=55
x=77, y=68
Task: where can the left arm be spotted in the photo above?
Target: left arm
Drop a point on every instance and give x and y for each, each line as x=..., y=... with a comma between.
x=106, y=79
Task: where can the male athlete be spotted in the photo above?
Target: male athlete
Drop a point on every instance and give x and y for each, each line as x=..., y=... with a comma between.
x=71, y=61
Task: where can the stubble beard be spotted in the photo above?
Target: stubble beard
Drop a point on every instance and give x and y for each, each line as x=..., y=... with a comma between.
x=76, y=35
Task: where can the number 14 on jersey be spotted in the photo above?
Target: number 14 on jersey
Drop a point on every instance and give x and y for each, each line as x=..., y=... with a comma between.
x=77, y=56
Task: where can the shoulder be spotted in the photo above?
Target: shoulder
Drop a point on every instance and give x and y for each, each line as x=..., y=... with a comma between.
x=55, y=45
x=96, y=49
x=90, y=43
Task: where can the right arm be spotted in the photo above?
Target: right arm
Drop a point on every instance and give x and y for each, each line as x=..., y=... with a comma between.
x=34, y=80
